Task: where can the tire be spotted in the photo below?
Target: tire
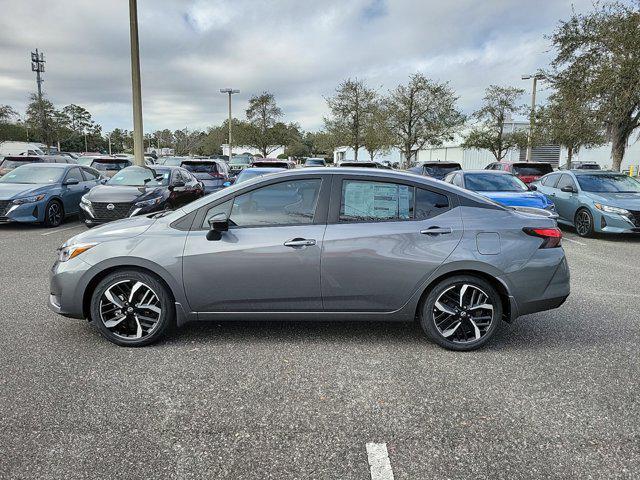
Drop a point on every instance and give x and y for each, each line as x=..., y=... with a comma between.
x=583, y=223
x=132, y=320
x=53, y=214
x=461, y=328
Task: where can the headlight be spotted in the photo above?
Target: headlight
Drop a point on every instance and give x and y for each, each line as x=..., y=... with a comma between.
x=608, y=209
x=34, y=198
x=67, y=252
x=85, y=200
x=148, y=203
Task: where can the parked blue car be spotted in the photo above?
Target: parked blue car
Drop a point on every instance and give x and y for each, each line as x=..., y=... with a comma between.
x=501, y=187
x=594, y=201
x=44, y=192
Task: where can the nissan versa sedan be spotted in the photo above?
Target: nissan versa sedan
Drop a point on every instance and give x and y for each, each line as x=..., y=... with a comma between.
x=317, y=244
x=44, y=192
x=138, y=190
x=594, y=201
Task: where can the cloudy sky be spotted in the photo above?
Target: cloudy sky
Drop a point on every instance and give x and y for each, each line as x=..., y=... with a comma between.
x=297, y=49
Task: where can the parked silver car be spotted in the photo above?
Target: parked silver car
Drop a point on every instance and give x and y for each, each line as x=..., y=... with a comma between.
x=317, y=244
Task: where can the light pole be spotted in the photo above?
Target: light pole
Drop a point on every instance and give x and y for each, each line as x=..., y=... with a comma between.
x=532, y=119
x=229, y=91
x=138, y=140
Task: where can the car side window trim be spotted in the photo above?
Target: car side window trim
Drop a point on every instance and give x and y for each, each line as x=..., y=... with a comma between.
x=322, y=205
x=336, y=197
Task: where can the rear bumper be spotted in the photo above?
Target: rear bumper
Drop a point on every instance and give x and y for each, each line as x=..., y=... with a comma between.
x=542, y=284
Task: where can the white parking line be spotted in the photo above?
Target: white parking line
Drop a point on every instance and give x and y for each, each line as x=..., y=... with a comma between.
x=51, y=232
x=574, y=241
x=379, y=464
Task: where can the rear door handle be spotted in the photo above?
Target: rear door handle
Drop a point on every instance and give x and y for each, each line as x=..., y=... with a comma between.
x=436, y=231
x=299, y=242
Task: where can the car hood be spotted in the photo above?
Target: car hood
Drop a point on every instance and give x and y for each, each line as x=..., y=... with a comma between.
x=628, y=201
x=117, y=230
x=120, y=194
x=518, y=199
x=9, y=191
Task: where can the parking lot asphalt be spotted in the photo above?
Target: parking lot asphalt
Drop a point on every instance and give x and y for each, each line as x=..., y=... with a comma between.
x=555, y=395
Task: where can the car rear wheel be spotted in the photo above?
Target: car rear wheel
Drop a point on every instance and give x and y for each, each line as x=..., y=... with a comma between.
x=53, y=214
x=461, y=313
x=583, y=222
x=132, y=308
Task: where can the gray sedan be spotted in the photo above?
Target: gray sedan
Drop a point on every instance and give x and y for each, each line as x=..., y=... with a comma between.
x=317, y=244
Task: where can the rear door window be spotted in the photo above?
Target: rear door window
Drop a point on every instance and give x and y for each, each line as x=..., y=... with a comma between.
x=430, y=204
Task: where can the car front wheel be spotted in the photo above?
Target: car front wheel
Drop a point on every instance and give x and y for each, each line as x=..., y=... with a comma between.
x=132, y=308
x=461, y=313
x=53, y=214
x=584, y=223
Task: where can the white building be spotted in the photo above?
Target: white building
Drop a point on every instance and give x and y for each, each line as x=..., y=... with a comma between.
x=238, y=149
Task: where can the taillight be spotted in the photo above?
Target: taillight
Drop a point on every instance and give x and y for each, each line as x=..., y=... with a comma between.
x=552, y=237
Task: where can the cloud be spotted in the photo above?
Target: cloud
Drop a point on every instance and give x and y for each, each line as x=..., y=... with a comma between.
x=299, y=50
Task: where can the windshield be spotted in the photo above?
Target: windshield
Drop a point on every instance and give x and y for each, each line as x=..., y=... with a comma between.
x=441, y=171
x=200, y=167
x=240, y=161
x=16, y=163
x=31, y=174
x=531, y=170
x=140, y=177
x=487, y=182
x=109, y=165
x=608, y=183
x=249, y=174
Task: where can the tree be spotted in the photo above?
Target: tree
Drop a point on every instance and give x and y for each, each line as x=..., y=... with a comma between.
x=118, y=138
x=598, y=53
x=568, y=121
x=378, y=137
x=421, y=113
x=351, y=108
x=7, y=114
x=265, y=133
x=40, y=119
x=498, y=105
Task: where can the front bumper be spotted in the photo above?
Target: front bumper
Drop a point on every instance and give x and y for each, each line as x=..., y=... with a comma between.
x=91, y=220
x=614, y=223
x=25, y=213
x=65, y=296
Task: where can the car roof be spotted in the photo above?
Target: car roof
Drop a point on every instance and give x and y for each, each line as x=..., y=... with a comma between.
x=435, y=162
x=483, y=171
x=263, y=169
x=593, y=172
x=50, y=165
x=521, y=162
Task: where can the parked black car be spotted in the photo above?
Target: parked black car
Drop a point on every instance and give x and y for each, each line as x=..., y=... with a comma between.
x=213, y=174
x=437, y=170
x=139, y=190
x=109, y=166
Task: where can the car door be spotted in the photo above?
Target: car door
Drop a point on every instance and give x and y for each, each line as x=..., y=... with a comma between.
x=269, y=259
x=71, y=192
x=566, y=202
x=383, y=240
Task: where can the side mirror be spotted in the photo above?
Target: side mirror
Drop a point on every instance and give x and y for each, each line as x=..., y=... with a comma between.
x=72, y=181
x=103, y=180
x=567, y=189
x=217, y=224
x=532, y=187
x=178, y=184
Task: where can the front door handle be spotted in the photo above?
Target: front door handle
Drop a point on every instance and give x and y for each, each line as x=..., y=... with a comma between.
x=436, y=231
x=299, y=242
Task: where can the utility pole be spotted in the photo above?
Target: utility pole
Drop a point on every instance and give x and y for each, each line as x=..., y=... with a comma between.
x=230, y=91
x=532, y=118
x=37, y=65
x=138, y=137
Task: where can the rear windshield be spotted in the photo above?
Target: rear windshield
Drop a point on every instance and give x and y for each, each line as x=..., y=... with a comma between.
x=109, y=165
x=240, y=161
x=271, y=164
x=441, y=171
x=487, y=182
x=7, y=163
x=589, y=166
x=200, y=167
x=312, y=161
x=608, y=183
x=530, y=169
